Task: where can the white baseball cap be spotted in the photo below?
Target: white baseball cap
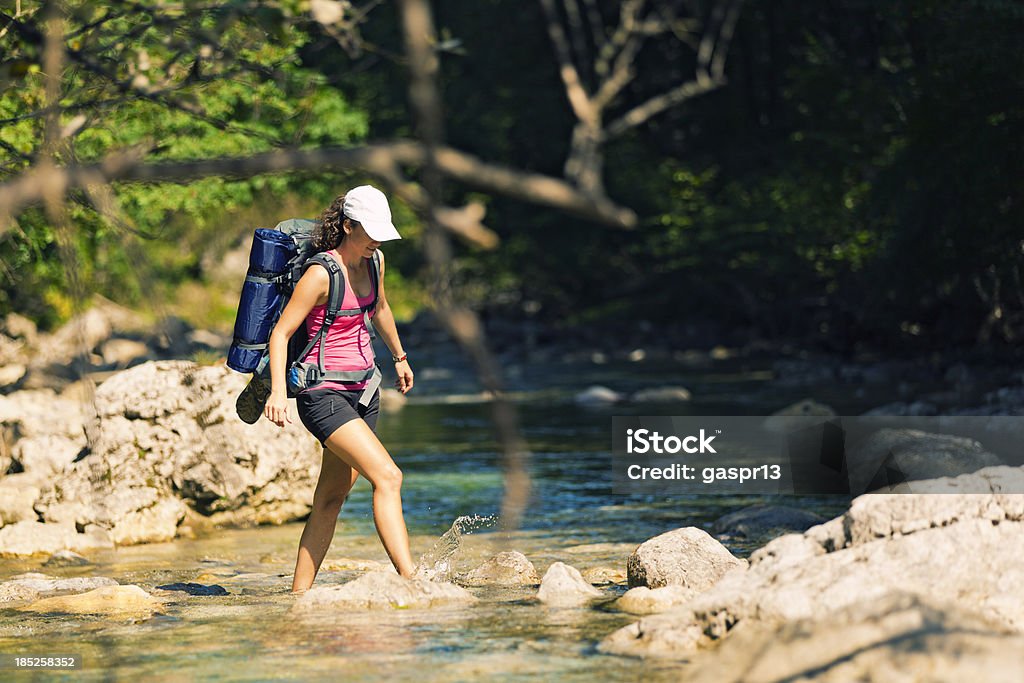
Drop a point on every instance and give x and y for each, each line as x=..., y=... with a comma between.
x=368, y=205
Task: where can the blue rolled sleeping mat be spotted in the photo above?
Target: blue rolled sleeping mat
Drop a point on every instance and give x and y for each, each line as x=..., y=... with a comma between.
x=261, y=299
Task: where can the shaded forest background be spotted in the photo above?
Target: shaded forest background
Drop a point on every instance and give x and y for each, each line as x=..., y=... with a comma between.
x=855, y=185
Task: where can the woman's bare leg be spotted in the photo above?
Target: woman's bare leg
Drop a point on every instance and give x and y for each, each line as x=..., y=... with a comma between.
x=335, y=482
x=356, y=444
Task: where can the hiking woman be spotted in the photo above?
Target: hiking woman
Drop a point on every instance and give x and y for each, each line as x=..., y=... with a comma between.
x=351, y=230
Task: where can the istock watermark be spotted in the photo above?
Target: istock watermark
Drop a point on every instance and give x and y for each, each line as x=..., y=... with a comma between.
x=817, y=455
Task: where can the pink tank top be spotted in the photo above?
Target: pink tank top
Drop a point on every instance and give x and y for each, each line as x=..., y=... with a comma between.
x=347, y=345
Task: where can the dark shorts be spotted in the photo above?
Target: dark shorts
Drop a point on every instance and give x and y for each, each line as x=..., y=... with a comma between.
x=324, y=410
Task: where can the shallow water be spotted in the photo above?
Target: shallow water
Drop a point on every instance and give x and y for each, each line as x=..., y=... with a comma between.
x=452, y=468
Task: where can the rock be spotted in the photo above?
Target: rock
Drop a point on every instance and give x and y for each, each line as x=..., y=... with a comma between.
x=18, y=492
x=644, y=600
x=915, y=455
x=597, y=396
x=208, y=339
x=721, y=353
x=16, y=591
x=686, y=557
x=109, y=600
x=392, y=400
x=794, y=547
x=65, y=558
x=563, y=585
x=45, y=455
x=805, y=413
x=950, y=548
x=758, y=521
x=661, y=395
x=12, y=351
x=383, y=590
x=130, y=515
x=31, y=413
x=603, y=575
x=894, y=637
x=20, y=327
x=78, y=336
x=11, y=375
x=510, y=568
x=30, y=586
x=194, y=589
x=168, y=439
x=123, y=352
x=35, y=538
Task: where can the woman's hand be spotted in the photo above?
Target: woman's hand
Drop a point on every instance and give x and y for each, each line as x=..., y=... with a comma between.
x=404, y=372
x=276, y=409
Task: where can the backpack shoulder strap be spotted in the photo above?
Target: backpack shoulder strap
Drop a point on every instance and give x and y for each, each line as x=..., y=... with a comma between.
x=336, y=289
x=375, y=277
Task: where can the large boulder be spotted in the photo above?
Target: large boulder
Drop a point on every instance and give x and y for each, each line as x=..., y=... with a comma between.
x=383, y=590
x=952, y=548
x=167, y=437
x=686, y=557
x=894, y=637
x=915, y=455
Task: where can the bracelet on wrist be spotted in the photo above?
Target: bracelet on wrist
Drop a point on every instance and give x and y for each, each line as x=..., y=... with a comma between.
x=399, y=359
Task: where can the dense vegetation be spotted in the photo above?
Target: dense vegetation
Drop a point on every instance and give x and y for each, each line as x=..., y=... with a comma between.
x=855, y=183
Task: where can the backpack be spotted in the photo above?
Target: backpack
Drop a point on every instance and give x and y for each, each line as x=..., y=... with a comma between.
x=277, y=260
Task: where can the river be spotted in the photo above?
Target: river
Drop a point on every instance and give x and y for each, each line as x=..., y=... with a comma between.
x=452, y=468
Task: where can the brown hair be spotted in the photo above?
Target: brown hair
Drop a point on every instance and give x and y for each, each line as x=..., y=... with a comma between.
x=330, y=232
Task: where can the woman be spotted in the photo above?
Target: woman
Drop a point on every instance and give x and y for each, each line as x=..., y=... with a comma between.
x=351, y=229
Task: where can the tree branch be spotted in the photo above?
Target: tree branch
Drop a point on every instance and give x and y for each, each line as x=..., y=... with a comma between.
x=379, y=160
x=579, y=100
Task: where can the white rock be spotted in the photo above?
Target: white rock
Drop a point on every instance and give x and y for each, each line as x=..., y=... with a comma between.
x=687, y=557
x=564, y=585
x=598, y=395
x=510, y=568
x=383, y=590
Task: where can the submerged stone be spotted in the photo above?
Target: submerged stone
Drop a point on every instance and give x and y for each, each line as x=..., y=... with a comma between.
x=383, y=590
x=109, y=601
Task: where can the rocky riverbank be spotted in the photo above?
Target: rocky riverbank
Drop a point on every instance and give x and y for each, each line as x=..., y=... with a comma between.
x=156, y=451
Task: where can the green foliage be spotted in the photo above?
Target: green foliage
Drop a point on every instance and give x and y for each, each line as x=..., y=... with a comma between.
x=856, y=181
x=200, y=81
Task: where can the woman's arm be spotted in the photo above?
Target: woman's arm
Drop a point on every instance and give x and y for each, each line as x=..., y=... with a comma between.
x=384, y=321
x=311, y=288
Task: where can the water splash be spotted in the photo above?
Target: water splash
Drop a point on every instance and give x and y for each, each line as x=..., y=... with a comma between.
x=437, y=563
